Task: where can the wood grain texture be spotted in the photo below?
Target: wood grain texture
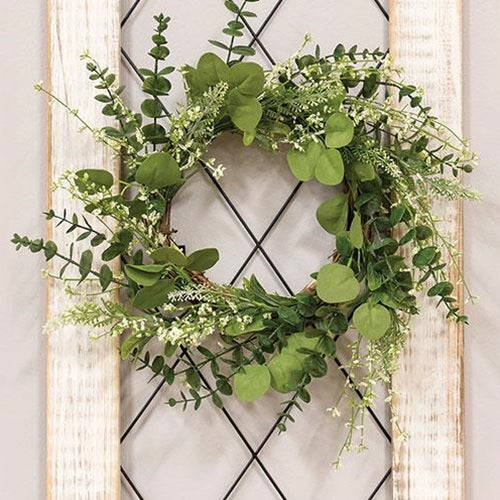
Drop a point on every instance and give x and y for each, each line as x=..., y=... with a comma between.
x=425, y=39
x=82, y=376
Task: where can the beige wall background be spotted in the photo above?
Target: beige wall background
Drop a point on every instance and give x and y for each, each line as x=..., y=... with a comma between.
x=22, y=198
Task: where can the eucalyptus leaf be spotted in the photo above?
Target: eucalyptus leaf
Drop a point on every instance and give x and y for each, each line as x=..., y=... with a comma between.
x=332, y=214
x=211, y=69
x=286, y=372
x=337, y=283
x=303, y=164
x=330, y=168
x=339, y=130
x=251, y=382
x=105, y=276
x=424, y=257
x=152, y=108
x=85, y=265
x=248, y=77
x=99, y=177
x=372, y=320
x=158, y=170
x=245, y=111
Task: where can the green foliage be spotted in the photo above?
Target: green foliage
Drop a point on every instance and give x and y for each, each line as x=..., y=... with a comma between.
x=251, y=382
x=303, y=164
x=93, y=179
x=245, y=82
x=372, y=320
x=330, y=168
x=234, y=29
x=339, y=130
x=169, y=255
x=330, y=111
x=203, y=259
x=332, y=214
x=153, y=296
x=326, y=165
x=145, y=275
x=286, y=372
x=158, y=170
x=336, y=284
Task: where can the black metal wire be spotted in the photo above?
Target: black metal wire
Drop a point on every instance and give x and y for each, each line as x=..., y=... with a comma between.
x=242, y=221
x=380, y=484
x=265, y=233
x=235, y=427
x=131, y=483
x=260, y=447
x=258, y=247
x=382, y=9
x=130, y=11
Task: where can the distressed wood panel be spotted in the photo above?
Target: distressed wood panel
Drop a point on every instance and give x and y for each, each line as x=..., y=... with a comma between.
x=82, y=377
x=425, y=38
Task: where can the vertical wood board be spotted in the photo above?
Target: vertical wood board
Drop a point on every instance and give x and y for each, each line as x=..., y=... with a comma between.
x=425, y=39
x=82, y=376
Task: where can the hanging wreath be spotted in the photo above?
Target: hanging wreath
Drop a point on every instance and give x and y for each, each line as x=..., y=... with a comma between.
x=345, y=121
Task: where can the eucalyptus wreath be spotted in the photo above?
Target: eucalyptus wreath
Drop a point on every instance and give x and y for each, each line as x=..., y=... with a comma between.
x=345, y=120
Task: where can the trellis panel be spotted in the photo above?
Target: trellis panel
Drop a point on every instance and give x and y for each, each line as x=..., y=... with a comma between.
x=425, y=39
x=83, y=396
x=82, y=377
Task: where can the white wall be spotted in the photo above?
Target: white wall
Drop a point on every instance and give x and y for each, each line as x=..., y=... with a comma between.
x=22, y=305
x=22, y=140
x=482, y=245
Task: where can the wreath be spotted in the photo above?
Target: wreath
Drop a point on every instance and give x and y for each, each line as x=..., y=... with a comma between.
x=345, y=120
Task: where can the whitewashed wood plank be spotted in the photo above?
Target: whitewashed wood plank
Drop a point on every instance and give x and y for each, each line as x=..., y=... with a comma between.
x=425, y=39
x=82, y=377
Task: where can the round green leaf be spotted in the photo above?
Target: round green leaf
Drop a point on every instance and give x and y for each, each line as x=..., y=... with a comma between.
x=424, y=257
x=286, y=372
x=303, y=164
x=99, y=177
x=152, y=108
x=251, y=382
x=330, y=168
x=169, y=255
x=301, y=340
x=332, y=214
x=248, y=77
x=336, y=283
x=158, y=170
x=211, y=69
x=372, y=320
x=442, y=288
x=153, y=296
x=203, y=259
x=245, y=111
x=339, y=130
x=316, y=366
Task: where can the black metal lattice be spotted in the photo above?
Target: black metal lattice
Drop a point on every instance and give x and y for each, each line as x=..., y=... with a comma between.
x=257, y=247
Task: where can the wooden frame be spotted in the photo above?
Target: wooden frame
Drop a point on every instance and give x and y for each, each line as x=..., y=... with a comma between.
x=83, y=447
x=425, y=39
x=83, y=378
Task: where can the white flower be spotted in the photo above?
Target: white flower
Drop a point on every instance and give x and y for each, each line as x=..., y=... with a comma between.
x=38, y=86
